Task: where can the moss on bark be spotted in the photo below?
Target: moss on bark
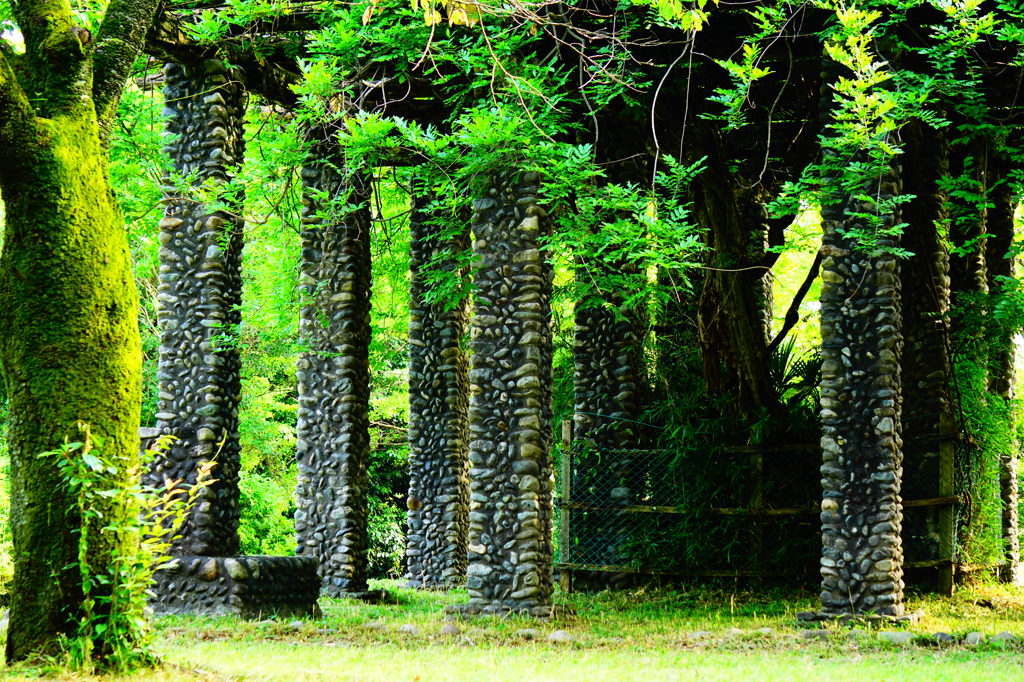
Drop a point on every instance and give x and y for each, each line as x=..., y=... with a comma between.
x=69, y=350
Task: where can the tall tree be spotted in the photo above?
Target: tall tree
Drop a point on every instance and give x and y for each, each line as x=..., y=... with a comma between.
x=69, y=339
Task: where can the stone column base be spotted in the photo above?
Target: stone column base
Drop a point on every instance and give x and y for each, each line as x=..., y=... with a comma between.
x=367, y=596
x=865, y=618
x=246, y=586
x=542, y=612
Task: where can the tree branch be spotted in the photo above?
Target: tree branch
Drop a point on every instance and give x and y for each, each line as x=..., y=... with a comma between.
x=17, y=121
x=793, y=314
x=119, y=41
x=272, y=76
x=57, y=66
x=168, y=40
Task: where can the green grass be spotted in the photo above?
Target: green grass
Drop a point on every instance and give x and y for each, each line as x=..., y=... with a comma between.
x=646, y=634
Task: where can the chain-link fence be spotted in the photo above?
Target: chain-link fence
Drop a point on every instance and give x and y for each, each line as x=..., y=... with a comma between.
x=744, y=510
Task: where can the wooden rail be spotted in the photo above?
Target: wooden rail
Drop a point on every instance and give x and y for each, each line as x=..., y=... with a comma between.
x=741, y=511
x=760, y=514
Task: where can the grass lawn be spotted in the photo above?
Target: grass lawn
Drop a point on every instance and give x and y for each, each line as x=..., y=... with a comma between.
x=646, y=634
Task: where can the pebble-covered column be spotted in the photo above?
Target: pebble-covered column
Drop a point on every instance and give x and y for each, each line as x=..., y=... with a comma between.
x=1002, y=365
x=198, y=299
x=609, y=378
x=333, y=447
x=926, y=366
x=608, y=386
x=862, y=554
x=438, y=501
x=510, y=403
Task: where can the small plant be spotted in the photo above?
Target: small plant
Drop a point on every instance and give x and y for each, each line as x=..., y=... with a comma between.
x=117, y=553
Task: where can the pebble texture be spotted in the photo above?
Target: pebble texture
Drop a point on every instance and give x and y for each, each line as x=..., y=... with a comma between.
x=438, y=503
x=333, y=441
x=608, y=382
x=510, y=403
x=249, y=587
x=608, y=377
x=862, y=554
x=1001, y=259
x=198, y=301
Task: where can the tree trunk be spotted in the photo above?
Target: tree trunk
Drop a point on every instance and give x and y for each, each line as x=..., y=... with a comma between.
x=70, y=350
x=732, y=309
x=927, y=372
x=69, y=334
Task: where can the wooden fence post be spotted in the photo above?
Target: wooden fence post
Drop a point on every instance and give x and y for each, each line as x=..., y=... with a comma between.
x=565, y=513
x=756, y=507
x=947, y=528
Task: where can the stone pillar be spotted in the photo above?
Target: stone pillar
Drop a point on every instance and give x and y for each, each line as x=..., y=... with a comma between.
x=510, y=560
x=438, y=501
x=1002, y=364
x=927, y=370
x=861, y=515
x=609, y=375
x=198, y=299
x=199, y=370
x=333, y=447
x=608, y=381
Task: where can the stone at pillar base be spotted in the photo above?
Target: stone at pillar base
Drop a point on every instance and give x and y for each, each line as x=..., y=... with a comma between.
x=543, y=612
x=1012, y=574
x=245, y=586
x=863, y=618
x=433, y=586
x=368, y=596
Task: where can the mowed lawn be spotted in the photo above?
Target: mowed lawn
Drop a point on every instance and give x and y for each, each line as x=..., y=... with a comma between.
x=698, y=633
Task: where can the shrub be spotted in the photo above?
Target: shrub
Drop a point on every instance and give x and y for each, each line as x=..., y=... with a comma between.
x=118, y=552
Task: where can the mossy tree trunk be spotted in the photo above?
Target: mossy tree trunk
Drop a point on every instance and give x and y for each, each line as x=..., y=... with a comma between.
x=69, y=339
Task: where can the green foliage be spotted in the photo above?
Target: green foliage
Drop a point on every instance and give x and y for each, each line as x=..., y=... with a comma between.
x=137, y=165
x=266, y=505
x=620, y=233
x=267, y=416
x=987, y=424
x=388, y=477
x=389, y=317
x=795, y=376
x=117, y=555
x=859, y=144
x=745, y=71
x=686, y=16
